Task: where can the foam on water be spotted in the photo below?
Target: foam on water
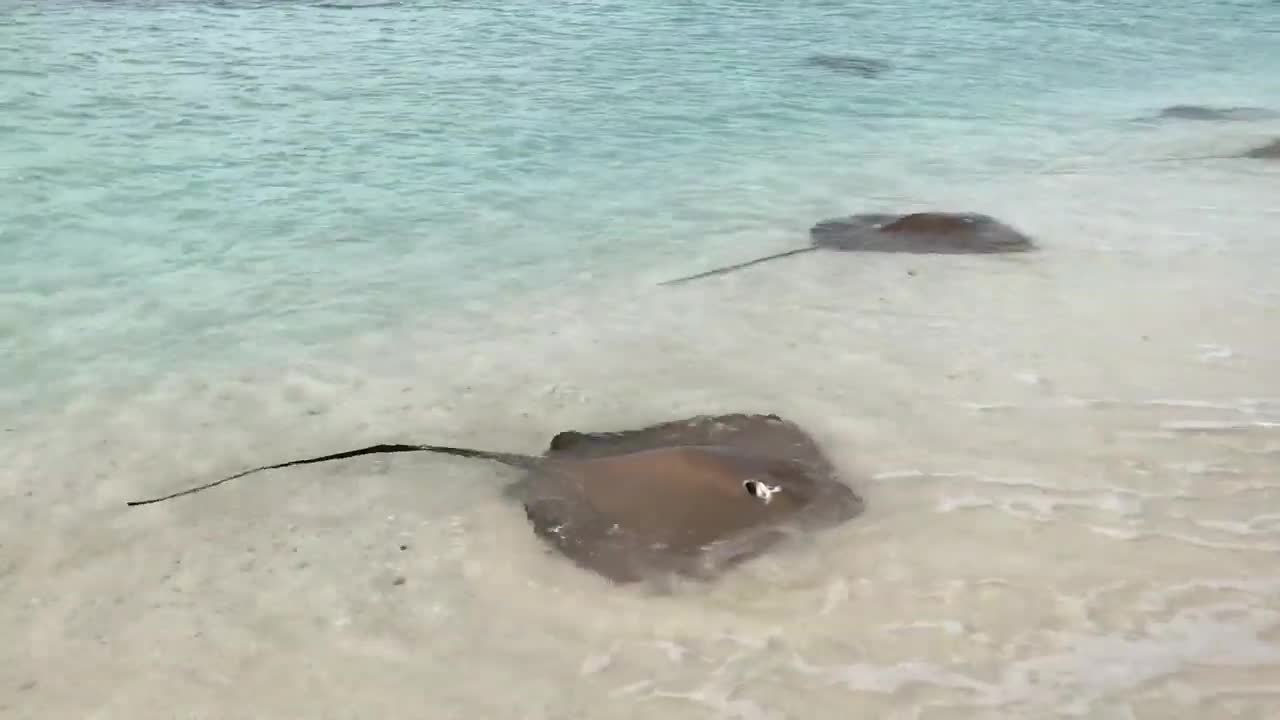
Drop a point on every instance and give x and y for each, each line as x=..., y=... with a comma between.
x=234, y=233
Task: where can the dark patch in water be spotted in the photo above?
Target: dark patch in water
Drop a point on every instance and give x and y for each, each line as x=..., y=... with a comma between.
x=1221, y=114
x=1270, y=151
x=357, y=6
x=865, y=67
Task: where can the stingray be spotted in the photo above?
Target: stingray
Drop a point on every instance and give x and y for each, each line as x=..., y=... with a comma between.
x=1270, y=151
x=692, y=497
x=866, y=67
x=1208, y=113
x=925, y=232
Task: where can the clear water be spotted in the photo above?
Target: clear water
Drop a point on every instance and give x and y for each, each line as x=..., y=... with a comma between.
x=236, y=232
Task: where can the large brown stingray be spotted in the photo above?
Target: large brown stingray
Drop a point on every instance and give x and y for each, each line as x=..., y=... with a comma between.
x=951, y=233
x=690, y=497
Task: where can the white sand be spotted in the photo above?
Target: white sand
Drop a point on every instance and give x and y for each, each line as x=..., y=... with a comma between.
x=1071, y=460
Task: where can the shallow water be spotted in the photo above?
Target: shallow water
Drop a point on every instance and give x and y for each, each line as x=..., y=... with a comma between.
x=234, y=233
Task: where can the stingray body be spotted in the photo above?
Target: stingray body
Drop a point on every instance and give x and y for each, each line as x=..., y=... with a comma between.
x=951, y=233
x=924, y=232
x=692, y=497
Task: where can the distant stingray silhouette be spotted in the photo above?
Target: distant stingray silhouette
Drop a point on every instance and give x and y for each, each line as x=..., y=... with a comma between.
x=866, y=67
x=1266, y=151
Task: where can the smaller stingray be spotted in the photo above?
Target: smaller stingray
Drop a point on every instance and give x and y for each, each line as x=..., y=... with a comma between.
x=690, y=497
x=1222, y=114
x=925, y=232
x=866, y=67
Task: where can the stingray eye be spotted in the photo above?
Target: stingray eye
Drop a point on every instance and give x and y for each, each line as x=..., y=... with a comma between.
x=760, y=490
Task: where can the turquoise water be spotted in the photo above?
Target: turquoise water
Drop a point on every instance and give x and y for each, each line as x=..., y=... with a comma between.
x=232, y=182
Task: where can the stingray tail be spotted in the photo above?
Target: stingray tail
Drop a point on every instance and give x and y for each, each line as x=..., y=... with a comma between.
x=740, y=265
x=515, y=460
